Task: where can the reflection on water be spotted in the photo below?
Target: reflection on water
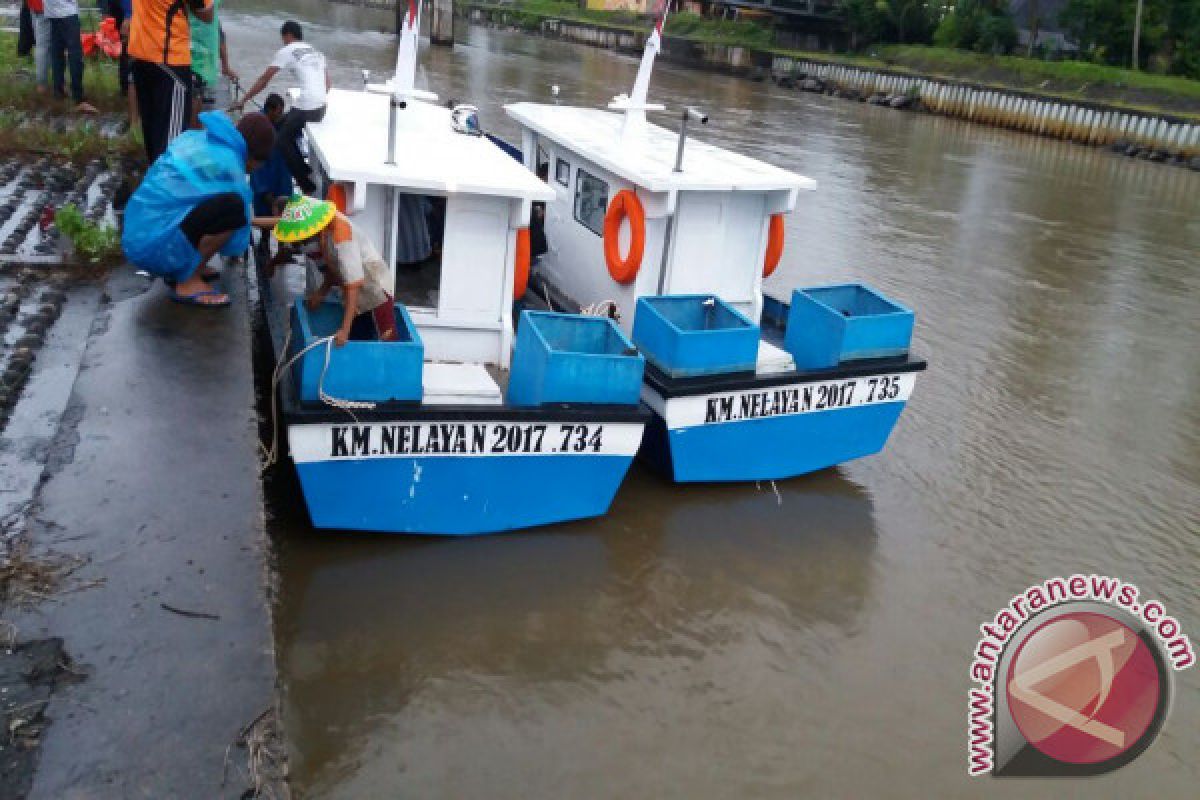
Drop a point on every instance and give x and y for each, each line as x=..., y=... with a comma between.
x=723, y=642
x=391, y=646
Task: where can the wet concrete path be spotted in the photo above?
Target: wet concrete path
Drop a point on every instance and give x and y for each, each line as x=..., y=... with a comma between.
x=152, y=478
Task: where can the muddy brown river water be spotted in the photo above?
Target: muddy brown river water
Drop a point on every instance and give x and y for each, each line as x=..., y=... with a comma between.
x=737, y=641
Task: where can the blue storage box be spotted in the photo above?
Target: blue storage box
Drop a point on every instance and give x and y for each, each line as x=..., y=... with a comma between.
x=695, y=334
x=828, y=325
x=566, y=358
x=376, y=372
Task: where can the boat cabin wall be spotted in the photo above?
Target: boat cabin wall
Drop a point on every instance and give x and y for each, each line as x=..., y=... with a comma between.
x=717, y=243
x=718, y=246
x=472, y=319
x=575, y=262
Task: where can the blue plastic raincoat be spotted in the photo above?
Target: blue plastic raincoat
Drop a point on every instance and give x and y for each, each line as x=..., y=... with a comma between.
x=197, y=165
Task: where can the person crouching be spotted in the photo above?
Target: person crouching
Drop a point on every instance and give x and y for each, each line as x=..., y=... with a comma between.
x=347, y=260
x=195, y=202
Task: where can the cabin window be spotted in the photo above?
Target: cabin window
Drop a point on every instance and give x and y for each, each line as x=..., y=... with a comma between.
x=591, y=201
x=562, y=172
x=543, y=159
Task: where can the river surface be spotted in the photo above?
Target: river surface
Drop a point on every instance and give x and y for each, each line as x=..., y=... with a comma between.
x=812, y=639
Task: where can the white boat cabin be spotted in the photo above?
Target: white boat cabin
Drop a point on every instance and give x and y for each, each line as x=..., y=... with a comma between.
x=472, y=196
x=706, y=226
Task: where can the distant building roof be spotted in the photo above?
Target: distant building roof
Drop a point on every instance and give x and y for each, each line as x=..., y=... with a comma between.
x=1047, y=12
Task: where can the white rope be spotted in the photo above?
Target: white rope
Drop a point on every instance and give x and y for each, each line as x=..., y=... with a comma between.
x=606, y=308
x=271, y=454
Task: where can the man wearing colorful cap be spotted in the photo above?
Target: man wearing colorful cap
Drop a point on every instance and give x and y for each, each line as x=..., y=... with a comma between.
x=195, y=202
x=348, y=261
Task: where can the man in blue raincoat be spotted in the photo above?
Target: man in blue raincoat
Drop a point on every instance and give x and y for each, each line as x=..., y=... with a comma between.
x=195, y=202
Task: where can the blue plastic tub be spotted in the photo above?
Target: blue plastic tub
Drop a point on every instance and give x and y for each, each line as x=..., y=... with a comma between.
x=565, y=358
x=828, y=325
x=376, y=372
x=695, y=334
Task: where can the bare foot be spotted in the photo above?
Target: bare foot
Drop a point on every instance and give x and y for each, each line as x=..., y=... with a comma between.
x=86, y=108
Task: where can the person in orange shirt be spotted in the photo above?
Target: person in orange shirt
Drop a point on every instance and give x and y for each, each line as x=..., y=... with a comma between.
x=160, y=52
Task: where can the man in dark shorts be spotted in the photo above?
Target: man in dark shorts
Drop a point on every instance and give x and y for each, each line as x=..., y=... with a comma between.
x=195, y=202
x=160, y=50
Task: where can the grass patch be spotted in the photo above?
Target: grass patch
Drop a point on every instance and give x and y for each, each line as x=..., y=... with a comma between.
x=93, y=242
x=1030, y=72
x=1066, y=80
x=18, y=91
x=81, y=141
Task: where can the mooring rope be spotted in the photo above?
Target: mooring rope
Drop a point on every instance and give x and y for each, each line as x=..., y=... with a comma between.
x=606, y=308
x=271, y=454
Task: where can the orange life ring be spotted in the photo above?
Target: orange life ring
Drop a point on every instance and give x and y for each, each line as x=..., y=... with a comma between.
x=624, y=205
x=774, y=245
x=521, y=282
x=336, y=194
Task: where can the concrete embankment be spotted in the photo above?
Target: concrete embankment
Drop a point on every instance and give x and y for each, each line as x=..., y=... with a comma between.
x=1154, y=136
x=136, y=440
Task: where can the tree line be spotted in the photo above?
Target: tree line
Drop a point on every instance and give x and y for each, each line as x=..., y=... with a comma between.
x=1168, y=40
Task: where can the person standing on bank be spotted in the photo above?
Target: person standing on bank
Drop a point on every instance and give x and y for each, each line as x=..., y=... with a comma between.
x=160, y=49
x=306, y=66
x=66, y=50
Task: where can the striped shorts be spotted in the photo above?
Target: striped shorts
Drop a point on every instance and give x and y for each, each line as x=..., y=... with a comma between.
x=164, y=95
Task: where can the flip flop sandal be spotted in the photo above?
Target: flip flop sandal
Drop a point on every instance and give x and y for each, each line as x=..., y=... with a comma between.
x=194, y=299
x=208, y=276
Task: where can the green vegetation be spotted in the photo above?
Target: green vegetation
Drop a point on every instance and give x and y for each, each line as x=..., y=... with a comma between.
x=81, y=141
x=96, y=244
x=66, y=133
x=17, y=90
x=1031, y=72
x=1169, y=41
x=975, y=35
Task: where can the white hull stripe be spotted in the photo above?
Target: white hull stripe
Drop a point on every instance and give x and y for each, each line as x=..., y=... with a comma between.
x=813, y=397
x=473, y=438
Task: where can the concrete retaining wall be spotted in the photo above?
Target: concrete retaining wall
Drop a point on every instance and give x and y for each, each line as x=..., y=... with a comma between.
x=1086, y=123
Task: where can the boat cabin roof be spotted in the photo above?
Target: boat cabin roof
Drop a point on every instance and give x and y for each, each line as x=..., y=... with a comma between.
x=351, y=142
x=647, y=157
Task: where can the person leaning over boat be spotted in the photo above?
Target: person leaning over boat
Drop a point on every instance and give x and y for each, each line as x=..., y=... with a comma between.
x=306, y=65
x=348, y=260
x=195, y=202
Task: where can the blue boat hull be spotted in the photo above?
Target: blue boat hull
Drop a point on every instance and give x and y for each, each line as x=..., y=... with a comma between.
x=771, y=429
x=460, y=471
x=459, y=495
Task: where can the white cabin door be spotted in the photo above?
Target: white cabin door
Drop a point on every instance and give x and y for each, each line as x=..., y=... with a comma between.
x=717, y=246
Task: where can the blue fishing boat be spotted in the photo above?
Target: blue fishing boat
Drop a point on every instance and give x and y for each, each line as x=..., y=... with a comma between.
x=675, y=237
x=471, y=421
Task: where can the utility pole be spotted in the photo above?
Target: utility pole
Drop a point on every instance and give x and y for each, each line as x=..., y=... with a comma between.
x=1137, y=32
x=1034, y=24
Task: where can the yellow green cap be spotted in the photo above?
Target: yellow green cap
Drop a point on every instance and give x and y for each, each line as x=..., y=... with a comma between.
x=303, y=217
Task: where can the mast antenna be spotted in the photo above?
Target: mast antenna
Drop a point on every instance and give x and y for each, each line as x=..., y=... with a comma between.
x=634, y=105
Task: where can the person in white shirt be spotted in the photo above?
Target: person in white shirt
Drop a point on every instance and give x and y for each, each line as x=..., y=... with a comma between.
x=306, y=66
